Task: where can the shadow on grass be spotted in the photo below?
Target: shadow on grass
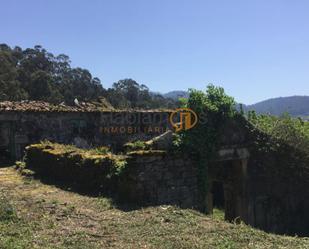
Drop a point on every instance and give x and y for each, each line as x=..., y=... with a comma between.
x=119, y=201
x=123, y=203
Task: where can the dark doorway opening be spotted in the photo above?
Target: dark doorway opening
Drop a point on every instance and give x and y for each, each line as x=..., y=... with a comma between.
x=218, y=195
x=218, y=200
x=5, y=157
x=5, y=143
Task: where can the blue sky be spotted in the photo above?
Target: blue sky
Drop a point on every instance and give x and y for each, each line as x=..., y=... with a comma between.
x=255, y=49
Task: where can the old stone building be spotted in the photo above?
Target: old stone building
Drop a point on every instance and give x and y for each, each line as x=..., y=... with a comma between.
x=253, y=187
x=23, y=123
x=259, y=188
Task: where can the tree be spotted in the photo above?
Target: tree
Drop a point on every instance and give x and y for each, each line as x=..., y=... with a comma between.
x=36, y=74
x=10, y=87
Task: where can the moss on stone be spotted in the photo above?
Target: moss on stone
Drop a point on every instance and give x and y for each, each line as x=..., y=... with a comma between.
x=147, y=153
x=137, y=145
x=94, y=167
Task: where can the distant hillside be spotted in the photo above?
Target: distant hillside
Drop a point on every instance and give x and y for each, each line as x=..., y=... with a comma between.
x=297, y=106
x=176, y=94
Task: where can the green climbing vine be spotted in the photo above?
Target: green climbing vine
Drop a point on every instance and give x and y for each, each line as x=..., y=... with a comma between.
x=278, y=144
x=213, y=108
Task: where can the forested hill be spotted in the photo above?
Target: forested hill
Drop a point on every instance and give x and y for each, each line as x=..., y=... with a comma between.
x=37, y=74
x=297, y=106
x=176, y=94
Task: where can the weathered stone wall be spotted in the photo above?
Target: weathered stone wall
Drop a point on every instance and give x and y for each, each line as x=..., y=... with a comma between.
x=275, y=195
x=269, y=192
x=157, y=178
x=84, y=129
x=278, y=196
x=79, y=168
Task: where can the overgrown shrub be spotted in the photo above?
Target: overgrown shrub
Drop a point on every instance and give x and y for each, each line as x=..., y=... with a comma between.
x=278, y=145
x=283, y=130
x=281, y=146
x=213, y=108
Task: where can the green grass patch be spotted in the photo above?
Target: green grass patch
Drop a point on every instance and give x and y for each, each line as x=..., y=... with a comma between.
x=7, y=212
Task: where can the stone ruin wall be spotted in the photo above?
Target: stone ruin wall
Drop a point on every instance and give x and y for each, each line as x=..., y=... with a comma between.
x=259, y=197
x=273, y=199
x=278, y=197
x=84, y=129
x=160, y=178
x=266, y=190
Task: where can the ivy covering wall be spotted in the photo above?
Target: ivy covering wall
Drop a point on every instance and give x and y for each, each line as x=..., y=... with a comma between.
x=213, y=108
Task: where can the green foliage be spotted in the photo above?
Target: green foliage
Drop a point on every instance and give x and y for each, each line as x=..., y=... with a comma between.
x=183, y=102
x=218, y=214
x=283, y=130
x=137, y=145
x=19, y=165
x=36, y=74
x=213, y=109
x=147, y=153
x=69, y=148
x=215, y=100
x=103, y=150
x=281, y=145
x=11, y=88
x=127, y=93
x=120, y=166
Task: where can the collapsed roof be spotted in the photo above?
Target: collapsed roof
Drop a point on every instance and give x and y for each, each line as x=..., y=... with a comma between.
x=41, y=106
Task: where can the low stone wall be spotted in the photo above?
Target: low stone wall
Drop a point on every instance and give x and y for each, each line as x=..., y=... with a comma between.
x=89, y=169
x=144, y=177
x=155, y=178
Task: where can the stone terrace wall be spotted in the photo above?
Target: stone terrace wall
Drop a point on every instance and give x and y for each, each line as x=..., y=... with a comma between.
x=84, y=129
x=158, y=178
